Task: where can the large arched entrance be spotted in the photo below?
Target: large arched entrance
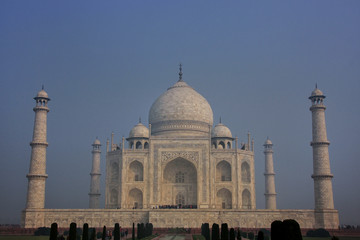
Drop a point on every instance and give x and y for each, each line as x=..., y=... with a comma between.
x=179, y=185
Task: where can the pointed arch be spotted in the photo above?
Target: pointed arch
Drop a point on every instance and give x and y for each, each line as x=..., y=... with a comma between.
x=135, y=198
x=136, y=171
x=138, y=145
x=246, y=199
x=224, y=198
x=223, y=171
x=114, y=172
x=114, y=196
x=245, y=173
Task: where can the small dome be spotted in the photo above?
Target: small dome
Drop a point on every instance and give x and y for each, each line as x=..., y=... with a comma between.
x=316, y=92
x=42, y=94
x=139, y=131
x=96, y=142
x=221, y=131
x=268, y=142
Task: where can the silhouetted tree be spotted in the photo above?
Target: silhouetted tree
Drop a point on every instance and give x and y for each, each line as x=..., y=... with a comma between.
x=232, y=234
x=85, y=232
x=251, y=235
x=72, y=231
x=205, y=231
x=224, y=232
x=117, y=232
x=53, y=231
x=238, y=236
x=133, y=232
x=103, y=233
x=260, y=235
x=151, y=228
x=93, y=234
x=276, y=230
x=291, y=230
x=215, y=232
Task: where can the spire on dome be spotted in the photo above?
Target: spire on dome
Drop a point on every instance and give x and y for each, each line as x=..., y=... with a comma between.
x=220, y=120
x=180, y=73
x=139, y=119
x=42, y=87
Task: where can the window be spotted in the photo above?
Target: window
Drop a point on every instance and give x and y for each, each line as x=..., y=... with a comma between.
x=180, y=199
x=179, y=177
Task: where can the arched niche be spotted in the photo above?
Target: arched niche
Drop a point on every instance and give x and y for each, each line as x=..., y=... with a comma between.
x=135, y=199
x=224, y=199
x=245, y=173
x=136, y=171
x=179, y=176
x=138, y=145
x=114, y=196
x=246, y=199
x=114, y=172
x=223, y=171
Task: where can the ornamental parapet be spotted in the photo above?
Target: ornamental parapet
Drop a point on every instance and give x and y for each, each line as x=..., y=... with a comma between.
x=95, y=174
x=39, y=143
x=179, y=126
x=319, y=143
x=269, y=174
x=41, y=108
x=39, y=176
x=324, y=176
x=317, y=106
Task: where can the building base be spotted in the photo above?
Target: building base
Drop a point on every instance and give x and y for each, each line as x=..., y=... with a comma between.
x=181, y=218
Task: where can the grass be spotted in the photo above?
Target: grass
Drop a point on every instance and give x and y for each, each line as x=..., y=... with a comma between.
x=198, y=237
x=329, y=238
x=24, y=237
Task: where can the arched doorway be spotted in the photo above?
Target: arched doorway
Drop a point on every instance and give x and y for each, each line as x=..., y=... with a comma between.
x=135, y=199
x=224, y=199
x=179, y=184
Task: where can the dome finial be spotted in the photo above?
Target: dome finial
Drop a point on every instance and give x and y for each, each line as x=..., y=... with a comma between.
x=139, y=119
x=220, y=120
x=180, y=72
x=315, y=85
x=42, y=87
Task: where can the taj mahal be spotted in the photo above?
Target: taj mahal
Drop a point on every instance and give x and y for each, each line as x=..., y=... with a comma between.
x=180, y=171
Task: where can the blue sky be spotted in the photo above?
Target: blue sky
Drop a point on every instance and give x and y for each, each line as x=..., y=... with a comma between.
x=104, y=63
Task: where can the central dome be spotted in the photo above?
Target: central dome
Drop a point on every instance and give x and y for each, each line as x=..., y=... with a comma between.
x=180, y=111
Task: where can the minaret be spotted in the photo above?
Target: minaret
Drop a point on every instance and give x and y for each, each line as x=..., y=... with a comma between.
x=37, y=172
x=94, y=201
x=270, y=194
x=321, y=164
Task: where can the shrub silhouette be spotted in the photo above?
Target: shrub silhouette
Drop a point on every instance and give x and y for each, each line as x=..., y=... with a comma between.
x=117, y=232
x=238, y=236
x=103, y=233
x=289, y=229
x=93, y=234
x=53, y=231
x=215, y=232
x=85, y=233
x=133, y=232
x=72, y=231
x=251, y=235
x=232, y=234
x=224, y=232
x=276, y=230
x=318, y=233
x=42, y=231
x=260, y=235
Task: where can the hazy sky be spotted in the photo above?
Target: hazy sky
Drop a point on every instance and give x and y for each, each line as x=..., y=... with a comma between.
x=103, y=64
